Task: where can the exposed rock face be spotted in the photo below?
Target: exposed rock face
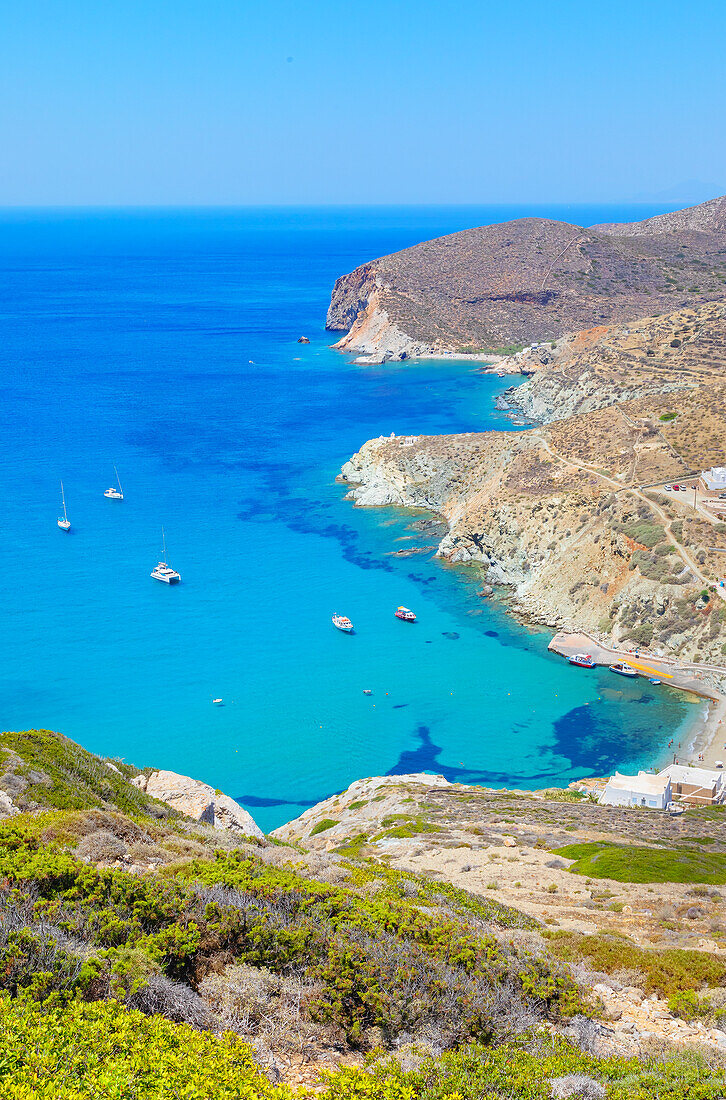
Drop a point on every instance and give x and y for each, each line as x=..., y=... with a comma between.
x=536, y=511
x=198, y=801
x=528, y=280
x=595, y=368
x=382, y=786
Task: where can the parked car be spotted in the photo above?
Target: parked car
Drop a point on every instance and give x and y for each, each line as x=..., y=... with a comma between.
x=668, y=488
x=676, y=487
x=722, y=496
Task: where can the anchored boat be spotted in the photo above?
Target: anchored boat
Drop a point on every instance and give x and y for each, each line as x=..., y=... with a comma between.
x=342, y=622
x=406, y=614
x=164, y=572
x=63, y=522
x=584, y=660
x=114, y=493
x=623, y=669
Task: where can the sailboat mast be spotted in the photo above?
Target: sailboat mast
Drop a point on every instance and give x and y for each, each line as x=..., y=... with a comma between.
x=63, y=498
x=163, y=545
x=118, y=479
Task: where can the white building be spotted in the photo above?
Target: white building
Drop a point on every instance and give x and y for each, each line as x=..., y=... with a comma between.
x=696, y=786
x=643, y=789
x=714, y=480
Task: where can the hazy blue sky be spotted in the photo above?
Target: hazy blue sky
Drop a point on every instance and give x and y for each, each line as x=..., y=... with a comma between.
x=317, y=101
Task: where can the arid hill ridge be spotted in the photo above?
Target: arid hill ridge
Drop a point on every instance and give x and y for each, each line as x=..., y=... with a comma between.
x=529, y=280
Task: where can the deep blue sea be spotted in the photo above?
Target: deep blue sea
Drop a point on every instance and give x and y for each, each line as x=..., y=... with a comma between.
x=166, y=342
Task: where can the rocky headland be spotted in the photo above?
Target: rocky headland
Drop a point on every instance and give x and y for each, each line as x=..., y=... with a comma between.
x=572, y=515
x=501, y=287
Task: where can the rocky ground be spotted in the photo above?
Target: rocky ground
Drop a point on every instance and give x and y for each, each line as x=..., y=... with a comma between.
x=502, y=845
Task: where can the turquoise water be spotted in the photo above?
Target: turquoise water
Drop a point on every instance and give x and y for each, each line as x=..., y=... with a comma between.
x=165, y=342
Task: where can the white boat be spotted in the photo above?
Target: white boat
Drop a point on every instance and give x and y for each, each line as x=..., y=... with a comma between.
x=342, y=622
x=218, y=702
x=405, y=614
x=63, y=522
x=622, y=669
x=113, y=493
x=164, y=572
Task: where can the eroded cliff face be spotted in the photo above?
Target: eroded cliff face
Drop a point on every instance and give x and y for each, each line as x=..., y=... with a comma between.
x=565, y=544
x=597, y=367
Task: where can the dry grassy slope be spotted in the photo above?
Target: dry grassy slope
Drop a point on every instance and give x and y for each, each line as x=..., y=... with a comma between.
x=564, y=538
x=474, y=836
x=531, y=279
x=593, y=368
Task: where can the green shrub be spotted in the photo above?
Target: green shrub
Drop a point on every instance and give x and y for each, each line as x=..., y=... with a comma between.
x=322, y=826
x=666, y=971
x=647, y=534
x=83, y=1051
x=688, y=1006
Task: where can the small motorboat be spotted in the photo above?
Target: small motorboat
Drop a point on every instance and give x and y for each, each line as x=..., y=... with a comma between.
x=584, y=660
x=367, y=691
x=622, y=669
x=115, y=493
x=654, y=680
x=406, y=614
x=342, y=622
x=218, y=702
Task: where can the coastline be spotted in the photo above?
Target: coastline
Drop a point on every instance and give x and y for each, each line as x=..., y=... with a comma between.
x=707, y=682
x=681, y=676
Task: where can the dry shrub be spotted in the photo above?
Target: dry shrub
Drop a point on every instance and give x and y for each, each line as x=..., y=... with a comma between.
x=145, y=851
x=578, y=1086
x=101, y=847
x=630, y=975
x=184, y=846
x=272, y=1011
x=161, y=995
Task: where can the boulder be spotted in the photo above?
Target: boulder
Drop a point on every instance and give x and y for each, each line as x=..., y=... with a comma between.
x=303, y=340
x=199, y=801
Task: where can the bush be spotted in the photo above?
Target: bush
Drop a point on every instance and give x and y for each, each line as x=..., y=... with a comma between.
x=101, y=847
x=322, y=826
x=688, y=1006
x=664, y=971
x=87, y=1051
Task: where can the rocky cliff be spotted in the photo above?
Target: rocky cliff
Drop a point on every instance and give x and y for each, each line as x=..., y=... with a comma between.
x=595, y=368
x=556, y=515
x=525, y=281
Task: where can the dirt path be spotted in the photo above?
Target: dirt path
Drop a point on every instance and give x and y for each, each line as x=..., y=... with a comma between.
x=618, y=487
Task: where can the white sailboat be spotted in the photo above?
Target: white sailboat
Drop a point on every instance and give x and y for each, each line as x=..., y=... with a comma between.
x=164, y=572
x=113, y=493
x=63, y=522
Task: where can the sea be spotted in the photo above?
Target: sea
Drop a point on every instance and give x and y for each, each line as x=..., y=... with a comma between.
x=165, y=342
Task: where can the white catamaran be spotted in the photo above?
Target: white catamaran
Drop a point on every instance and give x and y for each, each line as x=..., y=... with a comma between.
x=113, y=493
x=63, y=522
x=164, y=572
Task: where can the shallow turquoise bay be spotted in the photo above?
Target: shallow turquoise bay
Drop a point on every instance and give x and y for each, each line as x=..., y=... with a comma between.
x=166, y=342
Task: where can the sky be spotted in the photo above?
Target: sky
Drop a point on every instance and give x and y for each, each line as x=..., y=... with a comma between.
x=233, y=102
